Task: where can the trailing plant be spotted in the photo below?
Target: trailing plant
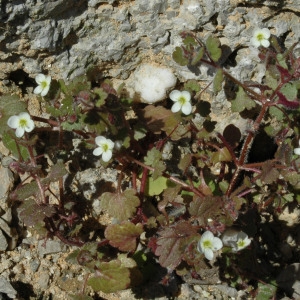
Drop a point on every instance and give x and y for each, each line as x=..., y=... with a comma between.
x=184, y=193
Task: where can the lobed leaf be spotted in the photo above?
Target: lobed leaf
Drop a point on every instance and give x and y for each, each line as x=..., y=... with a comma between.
x=213, y=47
x=121, y=206
x=159, y=119
x=172, y=243
x=110, y=277
x=218, y=80
x=209, y=207
x=124, y=236
x=32, y=213
x=242, y=101
x=179, y=57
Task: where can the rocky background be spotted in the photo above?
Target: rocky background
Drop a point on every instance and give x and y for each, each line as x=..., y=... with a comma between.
x=65, y=38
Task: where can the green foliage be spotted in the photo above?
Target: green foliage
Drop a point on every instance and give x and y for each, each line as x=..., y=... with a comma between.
x=242, y=101
x=213, y=47
x=110, y=277
x=123, y=236
x=120, y=205
x=176, y=175
x=266, y=291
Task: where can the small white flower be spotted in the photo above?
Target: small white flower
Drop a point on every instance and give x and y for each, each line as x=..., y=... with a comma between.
x=261, y=38
x=43, y=84
x=242, y=241
x=21, y=123
x=105, y=147
x=297, y=150
x=208, y=244
x=182, y=101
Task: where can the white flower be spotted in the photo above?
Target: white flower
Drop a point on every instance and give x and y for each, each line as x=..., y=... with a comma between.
x=21, y=123
x=105, y=147
x=297, y=150
x=261, y=38
x=182, y=101
x=242, y=241
x=43, y=84
x=208, y=244
x=235, y=239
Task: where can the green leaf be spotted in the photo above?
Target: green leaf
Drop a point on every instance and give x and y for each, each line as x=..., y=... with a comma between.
x=153, y=159
x=222, y=154
x=57, y=171
x=268, y=173
x=198, y=56
x=242, y=101
x=266, y=291
x=153, y=156
x=173, y=242
x=209, y=207
x=110, y=277
x=213, y=47
x=277, y=113
x=155, y=187
x=102, y=95
x=124, y=236
x=179, y=58
x=158, y=118
x=121, y=206
x=192, y=85
x=31, y=213
x=290, y=91
x=190, y=41
x=11, y=144
x=218, y=80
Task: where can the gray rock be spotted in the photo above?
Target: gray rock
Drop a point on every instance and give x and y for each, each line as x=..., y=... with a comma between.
x=6, y=288
x=50, y=247
x=7, y=180
x=3, y=241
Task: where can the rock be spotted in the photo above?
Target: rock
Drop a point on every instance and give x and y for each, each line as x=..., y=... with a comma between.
x=3, y=241
x=50, y=247
x=6, y=288
x=7, y=180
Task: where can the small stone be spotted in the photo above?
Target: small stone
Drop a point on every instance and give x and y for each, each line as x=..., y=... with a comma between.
x=50, y=247
x=6, y=288
x=3, y=242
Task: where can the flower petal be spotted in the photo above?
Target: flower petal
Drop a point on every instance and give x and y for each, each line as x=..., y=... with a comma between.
x=110, y=144
x=208, y=253
x=217, y=244
x=45, y=90
x=106, y=156
x=20, y=132
x=98, y=151
x=296, y=150
x=30, y=126
x=176, y=107
x=186, y=108
x=13, y=122
x=266, y=32
x=100, y=140
x=186, y=95
x=265, y=43
x=207, y=235
x=38, y=90
x=39, y=78
x=175, y=95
